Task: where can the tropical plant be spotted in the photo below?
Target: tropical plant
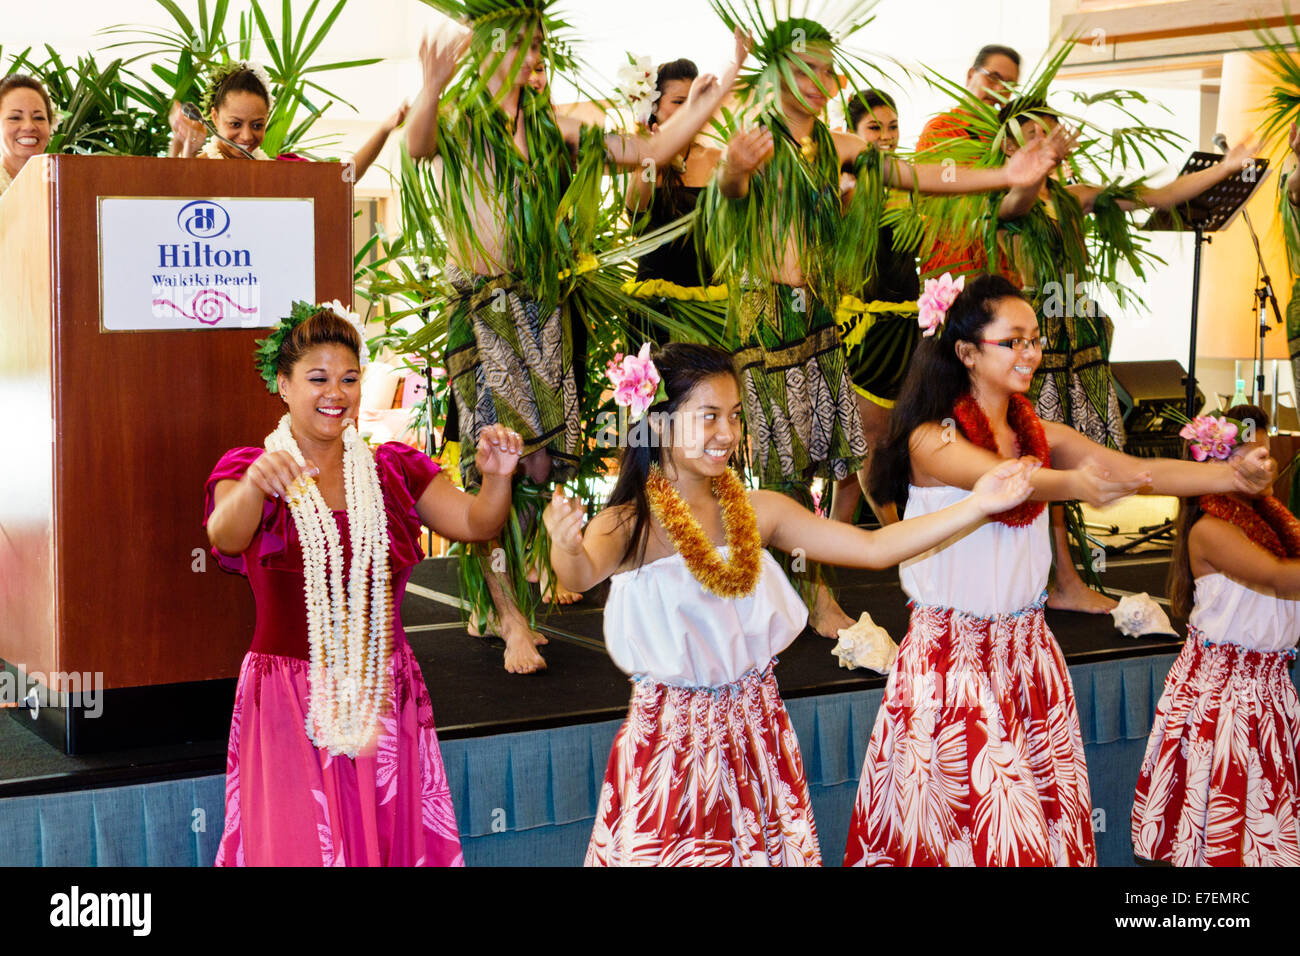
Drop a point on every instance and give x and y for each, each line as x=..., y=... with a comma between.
x=199, y=44
x=97, y=107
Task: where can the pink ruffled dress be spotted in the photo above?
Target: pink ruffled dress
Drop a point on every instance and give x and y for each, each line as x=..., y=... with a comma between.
x=287, y=802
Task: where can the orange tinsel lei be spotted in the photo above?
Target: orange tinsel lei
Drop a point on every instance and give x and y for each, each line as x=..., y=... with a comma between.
x=733, y=578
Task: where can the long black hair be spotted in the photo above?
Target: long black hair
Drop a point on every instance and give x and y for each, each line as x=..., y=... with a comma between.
x=682, y=366
x=1181, y=583
x=935, y=380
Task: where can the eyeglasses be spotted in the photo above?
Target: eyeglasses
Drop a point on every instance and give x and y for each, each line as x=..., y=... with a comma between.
x=995, y=76
x=1020, y=344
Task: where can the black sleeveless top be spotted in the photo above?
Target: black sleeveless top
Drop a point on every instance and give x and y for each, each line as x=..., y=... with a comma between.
x=897, y=279
x=678, y=261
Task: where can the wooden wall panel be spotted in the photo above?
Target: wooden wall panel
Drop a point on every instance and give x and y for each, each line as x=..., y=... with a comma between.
x=141, y=418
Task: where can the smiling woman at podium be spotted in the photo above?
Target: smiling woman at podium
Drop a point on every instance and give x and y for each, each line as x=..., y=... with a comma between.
x=26, y=121
x=238, y=104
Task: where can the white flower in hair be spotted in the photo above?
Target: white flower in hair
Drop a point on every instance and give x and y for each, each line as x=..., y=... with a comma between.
x=354, y=320
x=264, y=78
x=639, y=82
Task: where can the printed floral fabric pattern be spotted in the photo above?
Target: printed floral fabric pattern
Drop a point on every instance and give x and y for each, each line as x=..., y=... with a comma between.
x=391, y=807
x=705, y=777
x=976, y=758
x=1218, y=786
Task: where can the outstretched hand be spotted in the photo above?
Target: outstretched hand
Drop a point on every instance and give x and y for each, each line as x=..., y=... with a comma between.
x=1237, y=157
x=1097, y=488
x=563, y=518
x=441, y=53
x=1030, y=164
x=744, y=44
x=498, y=451
x=398, y=117
x=1254, y=471
x=1061, y=141
x=749, y=149
x=1004, y=486
x=275, y=472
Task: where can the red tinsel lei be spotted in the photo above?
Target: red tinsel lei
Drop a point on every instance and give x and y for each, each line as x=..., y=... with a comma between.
x=1024, y=421
x=1268, y=523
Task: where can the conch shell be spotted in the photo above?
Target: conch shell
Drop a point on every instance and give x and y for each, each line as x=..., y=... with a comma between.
x=1138, y=614
x=866, y=644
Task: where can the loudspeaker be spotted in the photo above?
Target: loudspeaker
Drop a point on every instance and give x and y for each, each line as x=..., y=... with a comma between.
x=1145, y=390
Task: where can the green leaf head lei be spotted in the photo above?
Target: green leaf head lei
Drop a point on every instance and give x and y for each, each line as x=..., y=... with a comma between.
x=1053, y=242
x=267, y=354
x=220, y=75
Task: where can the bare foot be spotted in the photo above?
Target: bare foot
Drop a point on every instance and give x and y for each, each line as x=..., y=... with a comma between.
x=826, y=615
x=476, y=628
x=542, y=578
x=1080, y=598
x=521, y=648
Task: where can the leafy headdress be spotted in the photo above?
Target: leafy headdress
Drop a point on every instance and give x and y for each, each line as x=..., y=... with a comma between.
x=1048, y=247
x=795, y=197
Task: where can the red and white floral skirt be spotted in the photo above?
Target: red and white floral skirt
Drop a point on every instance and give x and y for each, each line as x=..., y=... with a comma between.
x=1218, y=786
x=976, y=757
x=705, y=777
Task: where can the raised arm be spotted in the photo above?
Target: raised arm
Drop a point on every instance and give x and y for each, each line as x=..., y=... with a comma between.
x=1019, y=200
x=1027, y=169
x=365, y=157
x=1226, y=549
x=583, y=561
x=459, y=516
x=792, y=527
x=707, y=94
x=440, y=56
x=1251, y=472
x=1186, y=187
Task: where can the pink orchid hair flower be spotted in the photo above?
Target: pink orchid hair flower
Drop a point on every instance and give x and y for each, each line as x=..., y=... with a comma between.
x=936, y=299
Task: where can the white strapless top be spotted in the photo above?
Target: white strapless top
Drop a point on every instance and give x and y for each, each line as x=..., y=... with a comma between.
x=1228, y=611
x=989, y=569
x=660, y=623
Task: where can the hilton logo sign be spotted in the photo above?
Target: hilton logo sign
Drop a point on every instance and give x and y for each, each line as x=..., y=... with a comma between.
x=234, y=263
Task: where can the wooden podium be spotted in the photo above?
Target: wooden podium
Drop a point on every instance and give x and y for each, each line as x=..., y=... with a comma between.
x=111, y=608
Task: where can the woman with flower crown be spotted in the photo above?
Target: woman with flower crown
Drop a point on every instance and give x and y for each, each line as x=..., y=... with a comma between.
x=1219, y=784
x=333, y=756
x=706, y=770
x=238, y=101
x=976, y=757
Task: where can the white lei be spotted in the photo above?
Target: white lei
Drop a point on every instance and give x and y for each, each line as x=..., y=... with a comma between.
x=350, y=648
x=212, y=150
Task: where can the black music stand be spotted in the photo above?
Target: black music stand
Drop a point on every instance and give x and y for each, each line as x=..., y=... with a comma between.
x=1209, y=212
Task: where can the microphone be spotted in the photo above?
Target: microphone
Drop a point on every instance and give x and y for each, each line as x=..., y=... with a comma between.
x=1220, y=142
x=192, y=113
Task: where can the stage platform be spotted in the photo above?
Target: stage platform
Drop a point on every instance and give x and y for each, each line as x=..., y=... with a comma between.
x=525, y=755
